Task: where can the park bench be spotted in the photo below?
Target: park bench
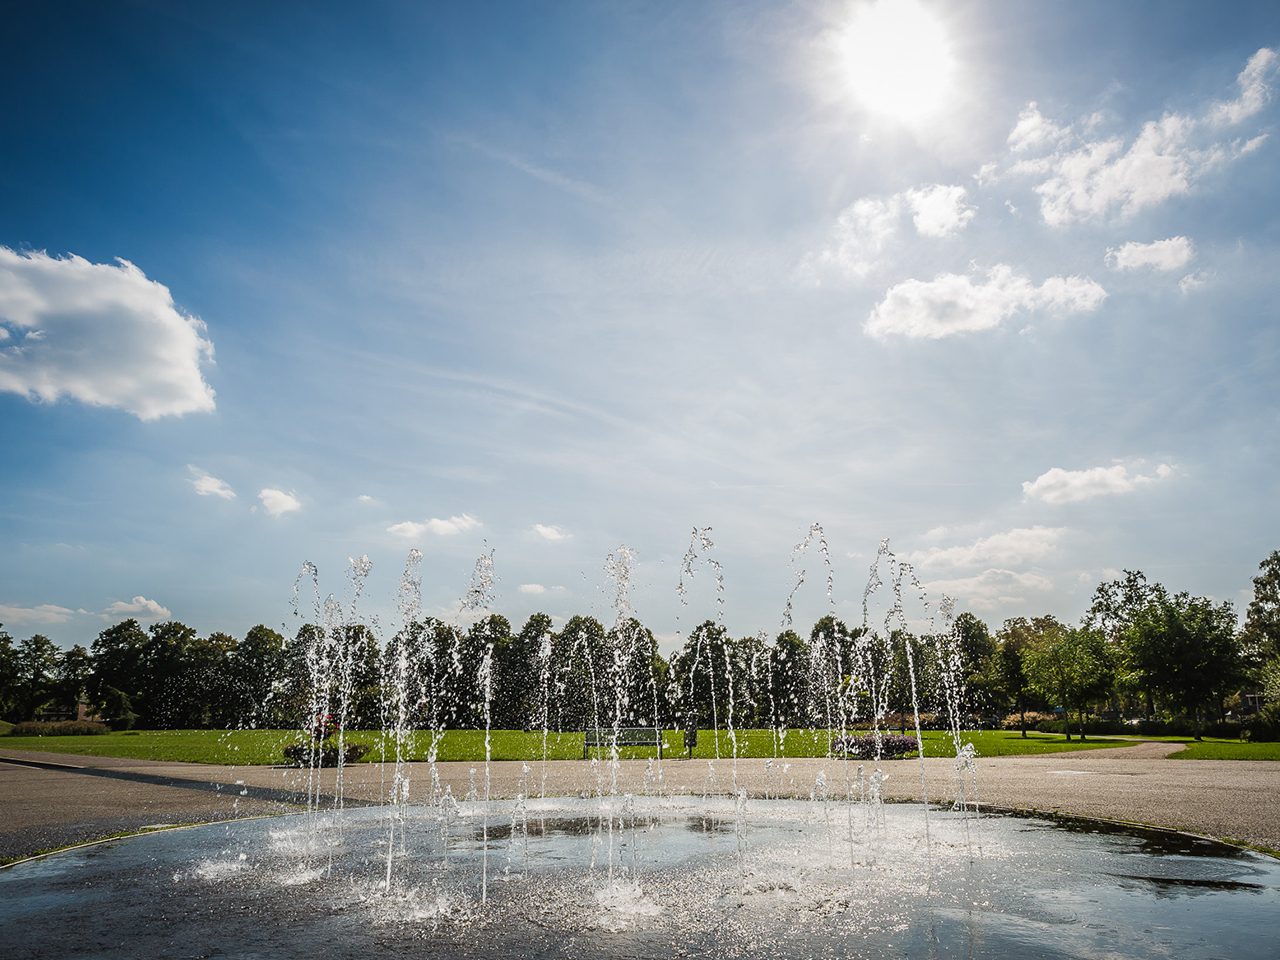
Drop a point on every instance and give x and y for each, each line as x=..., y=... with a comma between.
x=627, y=737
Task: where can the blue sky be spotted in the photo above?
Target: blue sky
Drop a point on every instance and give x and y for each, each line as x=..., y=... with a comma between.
x=546, y=279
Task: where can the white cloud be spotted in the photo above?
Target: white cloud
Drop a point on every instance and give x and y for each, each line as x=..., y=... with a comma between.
x=1070, y=486
x=1083, y=177
x=1170, y=254
x=440, y=528
x=548, y=532
x=277, y=502
x=992, y=589
x=865, y=230
x=99, y=333
x=365, y=498
x=954, y=303
x=207, y=485
x=139, y=608
x=1034, y=131
x=45, y=613
x=1011, y=548
x=532, y=588
x=860, y=236
x=938, y=210
x=1193, y=282
x=1255, y=91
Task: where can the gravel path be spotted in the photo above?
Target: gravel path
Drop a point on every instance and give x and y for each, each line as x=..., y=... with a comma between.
x=51, y=800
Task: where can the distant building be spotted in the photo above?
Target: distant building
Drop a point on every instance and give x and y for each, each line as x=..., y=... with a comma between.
x=54, y=712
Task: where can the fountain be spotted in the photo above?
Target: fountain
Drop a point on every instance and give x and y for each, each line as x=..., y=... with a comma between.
x=774, y=860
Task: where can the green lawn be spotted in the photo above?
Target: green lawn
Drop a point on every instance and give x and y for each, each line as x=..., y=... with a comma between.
x=246, y=747
x=1227, y=750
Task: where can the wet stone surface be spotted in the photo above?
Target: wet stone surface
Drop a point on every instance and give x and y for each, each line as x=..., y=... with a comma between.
x=646, y=878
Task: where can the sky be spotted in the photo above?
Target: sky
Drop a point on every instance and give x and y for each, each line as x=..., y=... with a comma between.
x=308, y=282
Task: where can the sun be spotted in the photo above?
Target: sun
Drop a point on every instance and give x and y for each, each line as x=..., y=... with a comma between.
x=896, y=58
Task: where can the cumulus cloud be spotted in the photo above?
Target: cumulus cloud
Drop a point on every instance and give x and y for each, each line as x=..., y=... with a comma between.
x=938, y=210
x=207, y=485
x=548, y=532
x=992, y=589
x=1071, y=486
x=103, y=334
x=440, y=528
x=1170, y=254
x=1255, y=90
x=365, y=498
x=955, y=303
x=534, y=589
x=865, y=230
x=45, y=613
x=1011, y=548
x=1034, y=131
x=277, y=502
x=1081, y=176
x=139, y=608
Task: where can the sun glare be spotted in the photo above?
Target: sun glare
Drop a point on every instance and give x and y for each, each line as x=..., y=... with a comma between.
x=896, y=58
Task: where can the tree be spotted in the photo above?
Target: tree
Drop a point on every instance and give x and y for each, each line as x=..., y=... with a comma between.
x=75, y=670
x=978, y=672
x=640, y=673
x=1070, y=667
x=517, y=675
x=1010, y=664
x=787, y=681
x=116, y=684
x=166, y=684
x=705, y=672
x=1187, y=651
x=259, y=675
x=1115, y=607
x=1261, y=633
x=37, y=672
x=580, y=695
x=8, y=676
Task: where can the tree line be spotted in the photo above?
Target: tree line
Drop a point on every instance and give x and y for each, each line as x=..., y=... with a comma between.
x=1139, y=651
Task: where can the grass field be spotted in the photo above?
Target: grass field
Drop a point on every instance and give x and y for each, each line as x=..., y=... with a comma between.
x=5, y=727
x=252, y=747
x=1227, y=750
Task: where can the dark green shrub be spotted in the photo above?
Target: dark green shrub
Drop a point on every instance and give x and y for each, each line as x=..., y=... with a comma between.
x=60, y=728
x=1263, y=726
x=893, y=746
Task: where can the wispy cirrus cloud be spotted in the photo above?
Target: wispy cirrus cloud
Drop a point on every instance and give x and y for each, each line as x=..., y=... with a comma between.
x=449, y=527
x=99, y=333
x=207, y=485
x=953, y=303
x=1057, y=486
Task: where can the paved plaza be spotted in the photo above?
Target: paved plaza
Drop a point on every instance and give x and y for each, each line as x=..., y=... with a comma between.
x=53, y=800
